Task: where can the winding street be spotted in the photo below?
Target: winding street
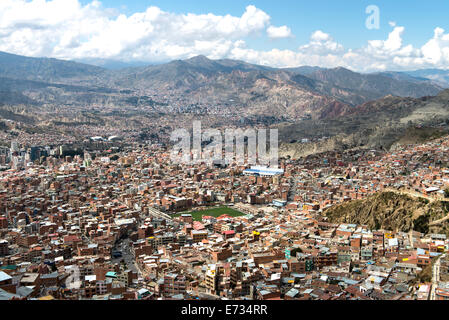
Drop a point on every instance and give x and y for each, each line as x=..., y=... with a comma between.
x=420, y=195
x=435, y=277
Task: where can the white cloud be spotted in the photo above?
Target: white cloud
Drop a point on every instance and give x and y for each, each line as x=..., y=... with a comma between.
x=436, y=50
x=393, y=43
x=377, y=55
x=321, y=43
x=279, y=32
x=321, y=50
x=319, y=36
x=67, y=29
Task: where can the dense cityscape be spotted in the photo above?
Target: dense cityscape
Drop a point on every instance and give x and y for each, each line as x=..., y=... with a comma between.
x=210, y=159
x=133, y=225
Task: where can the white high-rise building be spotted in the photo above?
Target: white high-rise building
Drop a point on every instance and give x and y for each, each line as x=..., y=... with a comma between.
x=14, y=147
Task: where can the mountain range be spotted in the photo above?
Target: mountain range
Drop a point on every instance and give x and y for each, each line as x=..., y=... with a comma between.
x=204, y=85
x=349, y=108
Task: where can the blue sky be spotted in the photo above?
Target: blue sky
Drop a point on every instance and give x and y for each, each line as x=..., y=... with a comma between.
x=345, y=20
x=283, y=33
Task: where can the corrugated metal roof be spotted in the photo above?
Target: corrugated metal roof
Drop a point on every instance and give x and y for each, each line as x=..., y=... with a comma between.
x=4, y=276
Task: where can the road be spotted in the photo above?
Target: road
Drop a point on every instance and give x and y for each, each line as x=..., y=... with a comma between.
x=158, y=214
x=292, y=191
x=420, y=195
x=440, y=221
x=413, y=194
x=410, y=237
x=124, y=246
x=435, y=276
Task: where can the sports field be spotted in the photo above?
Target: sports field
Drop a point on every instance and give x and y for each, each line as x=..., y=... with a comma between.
x=213, y=212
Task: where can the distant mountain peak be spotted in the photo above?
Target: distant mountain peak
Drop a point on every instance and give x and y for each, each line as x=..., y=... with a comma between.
x=343, y=69
x=199, y=59
x=444, y=94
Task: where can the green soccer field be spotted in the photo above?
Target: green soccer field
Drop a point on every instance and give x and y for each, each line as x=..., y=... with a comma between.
x=214, y=212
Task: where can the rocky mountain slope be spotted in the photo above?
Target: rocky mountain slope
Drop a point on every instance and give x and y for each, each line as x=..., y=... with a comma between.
x=382, y=123
x=204, y=86
x=440, y=77
x=47, y=70
x=335, y=108
x=393, y=211
x=366, y=87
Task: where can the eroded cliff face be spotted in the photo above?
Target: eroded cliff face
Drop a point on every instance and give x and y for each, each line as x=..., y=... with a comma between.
x=388, y=138
x=378, y=138
x=298, y=150
x=386, y=123
x=393, y=211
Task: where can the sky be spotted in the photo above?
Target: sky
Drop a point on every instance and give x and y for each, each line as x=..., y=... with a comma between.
x=365, y=36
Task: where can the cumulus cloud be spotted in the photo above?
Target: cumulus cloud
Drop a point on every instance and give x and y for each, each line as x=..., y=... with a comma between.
x=321, y=43
x=436, y=50
x=66, y=29
x=279, y=32
x=320, y=36
x=377, y=55
x=394, y=42
x=69, y=30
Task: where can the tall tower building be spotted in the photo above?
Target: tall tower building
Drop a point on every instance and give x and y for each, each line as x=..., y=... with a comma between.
x=14, y=147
